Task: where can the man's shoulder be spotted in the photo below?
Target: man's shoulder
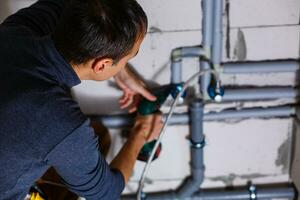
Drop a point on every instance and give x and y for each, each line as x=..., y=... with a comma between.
x=62, y=104
x=12, y=32
x=56, y=101
x=40, y=117
x=46, y=108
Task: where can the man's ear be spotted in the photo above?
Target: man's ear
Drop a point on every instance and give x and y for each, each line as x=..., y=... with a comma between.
x=101, y=64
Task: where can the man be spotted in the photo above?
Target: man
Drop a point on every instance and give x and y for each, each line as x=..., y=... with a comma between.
x=45, y=50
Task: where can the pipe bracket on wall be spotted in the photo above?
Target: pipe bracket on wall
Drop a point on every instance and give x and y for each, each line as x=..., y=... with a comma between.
x=198, y=145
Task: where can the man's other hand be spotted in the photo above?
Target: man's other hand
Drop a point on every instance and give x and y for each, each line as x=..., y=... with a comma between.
x=148, y=127
x=133, y=88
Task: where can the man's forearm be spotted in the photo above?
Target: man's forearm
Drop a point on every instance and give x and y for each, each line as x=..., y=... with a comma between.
x=127, y=156
x=146, y=128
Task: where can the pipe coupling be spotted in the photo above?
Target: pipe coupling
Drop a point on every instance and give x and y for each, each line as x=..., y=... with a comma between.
x=198, y=145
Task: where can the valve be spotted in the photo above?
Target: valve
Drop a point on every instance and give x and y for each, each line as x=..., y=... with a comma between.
x=176, y=89
x=215, y=90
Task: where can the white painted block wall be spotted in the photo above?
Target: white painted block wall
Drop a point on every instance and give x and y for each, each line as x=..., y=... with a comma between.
x=237, y=151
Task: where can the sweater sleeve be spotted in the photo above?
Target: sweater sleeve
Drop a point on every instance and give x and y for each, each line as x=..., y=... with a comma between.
x=40, y=18
x=83, y=169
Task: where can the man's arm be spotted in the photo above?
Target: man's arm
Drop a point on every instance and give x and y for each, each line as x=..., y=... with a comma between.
x=78, y=161
x=146, y=128
x=83, y=169
x=40, y=18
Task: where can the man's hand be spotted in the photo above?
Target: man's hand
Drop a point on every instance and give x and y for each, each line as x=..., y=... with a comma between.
x=133, y=88
x=148, y=127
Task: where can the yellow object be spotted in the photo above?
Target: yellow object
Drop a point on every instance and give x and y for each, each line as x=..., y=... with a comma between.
x=35, y=196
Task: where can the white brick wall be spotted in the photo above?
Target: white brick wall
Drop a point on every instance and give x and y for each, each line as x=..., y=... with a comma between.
x=256, y=13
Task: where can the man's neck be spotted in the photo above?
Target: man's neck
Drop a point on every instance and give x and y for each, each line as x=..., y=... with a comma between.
x=82, y=70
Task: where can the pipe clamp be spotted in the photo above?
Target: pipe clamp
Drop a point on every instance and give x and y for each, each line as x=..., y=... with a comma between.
x=198, y=145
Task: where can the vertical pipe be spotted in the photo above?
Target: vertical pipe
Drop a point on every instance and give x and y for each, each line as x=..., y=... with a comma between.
x=216, y=57
x=217, y=33
x=192, y=183
x=207, y=9
x=176, y=72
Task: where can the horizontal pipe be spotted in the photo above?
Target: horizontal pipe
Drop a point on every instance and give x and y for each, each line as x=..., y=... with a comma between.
x=186, y=52
x=124, y=120
x=270, y=193
x=267, y=193
x=260, y=93
x=281, y=111
x=213, y=194
x=167, y=195
x=223, y=195
x=260, y=67
x=193, y=51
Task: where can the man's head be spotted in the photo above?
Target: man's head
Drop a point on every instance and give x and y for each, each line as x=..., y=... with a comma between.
x=101, y=33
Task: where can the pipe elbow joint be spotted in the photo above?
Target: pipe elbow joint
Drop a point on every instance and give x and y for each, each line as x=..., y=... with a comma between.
x=176, y=55
x=182, y=52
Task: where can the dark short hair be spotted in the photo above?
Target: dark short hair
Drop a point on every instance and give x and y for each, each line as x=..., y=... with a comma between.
x=91, y=29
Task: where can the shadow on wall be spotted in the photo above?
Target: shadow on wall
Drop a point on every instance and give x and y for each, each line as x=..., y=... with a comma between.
x=4, y=9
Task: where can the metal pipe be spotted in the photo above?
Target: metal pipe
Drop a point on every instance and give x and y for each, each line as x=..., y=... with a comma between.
x=207, y=9
x=118, y=121
x=192, y=183
x=260, y=93
x=218, y=194
x=261, y=67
